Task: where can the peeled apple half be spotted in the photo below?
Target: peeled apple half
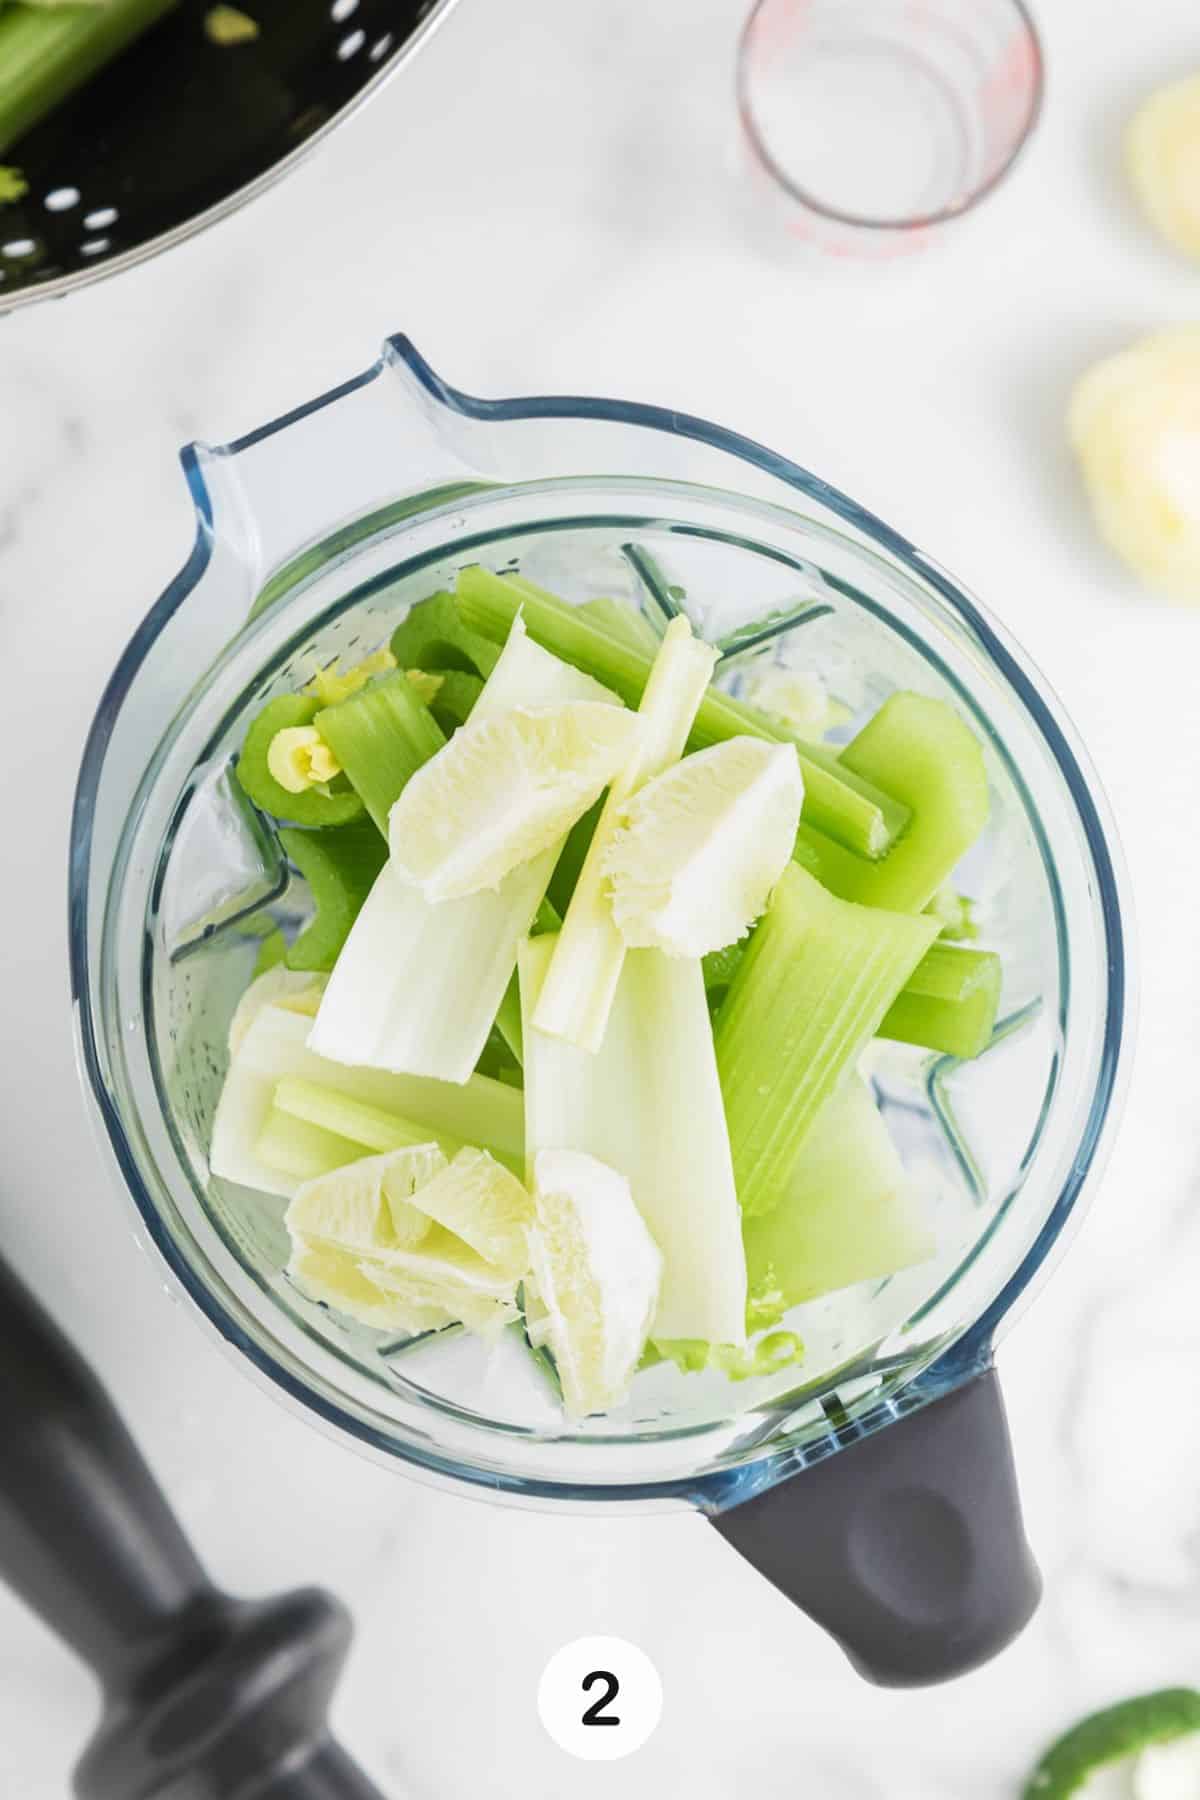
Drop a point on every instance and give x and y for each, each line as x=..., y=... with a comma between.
x=1134, y=423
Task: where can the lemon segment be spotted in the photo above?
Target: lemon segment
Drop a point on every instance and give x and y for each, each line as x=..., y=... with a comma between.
x=502, y=791
x=697, y=850
x=1134, y=423
x=1162, y=155
x=596, y=1272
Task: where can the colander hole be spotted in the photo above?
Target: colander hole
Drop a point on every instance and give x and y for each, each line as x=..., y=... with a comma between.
x=61, y=199
x=381, y=47
x=101, y=218
x=94, y=246
x=342, y=9
x=350, y=46
x=17, y=247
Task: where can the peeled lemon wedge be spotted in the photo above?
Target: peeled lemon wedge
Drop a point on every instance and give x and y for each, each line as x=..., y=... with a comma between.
x=1162, y=154
x=336, y=1279
x=1134, y=423
x=503, y=790
x=698, y=849
x=595, y=1276
x=366, y=1205
x=409, y=1242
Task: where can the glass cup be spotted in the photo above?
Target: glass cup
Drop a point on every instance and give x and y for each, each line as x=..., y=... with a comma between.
x=872, y=123
x=314, y=535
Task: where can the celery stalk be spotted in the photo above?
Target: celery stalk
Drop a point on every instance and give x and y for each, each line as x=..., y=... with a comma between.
x=432, y=636
x=273, y=1048
x=624, y=622
x=381, y=736
x=302, y=1151
x=847, y=1213
x=455, y=699
x=949, y=1002
x=46, y=53
x=577, y=993
x=340, y=866
x=356, y=1120
x=933, y=762
x=418, y=985
x=648, y=1104
x=838, y=801
x=817, y=978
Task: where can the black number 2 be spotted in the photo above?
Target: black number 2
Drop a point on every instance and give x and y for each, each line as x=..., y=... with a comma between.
x=595, y=1714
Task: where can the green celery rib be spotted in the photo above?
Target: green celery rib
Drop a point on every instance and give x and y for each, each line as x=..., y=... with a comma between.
x=272, y=951
x=838, y=801
x=848, y=1213
x=356, y=1120
x=934, y=763
x=303, y=1151
x=46, y=53
x=451, y=706
x=312, y=807
x=949, y=1002
x=340, y=867
x=381, y=736
x=508, y=1018
x=624, y=622
x=808, y=995
x=432, y=636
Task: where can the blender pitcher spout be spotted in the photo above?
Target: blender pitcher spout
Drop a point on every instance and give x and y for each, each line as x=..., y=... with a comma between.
x=908, y=1546
x=385, y=445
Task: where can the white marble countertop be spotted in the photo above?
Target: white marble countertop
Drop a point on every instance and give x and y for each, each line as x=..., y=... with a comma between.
x=578, y=152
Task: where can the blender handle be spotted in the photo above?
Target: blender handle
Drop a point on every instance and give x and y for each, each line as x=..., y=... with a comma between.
x=202, y=1692
x=908, y=1546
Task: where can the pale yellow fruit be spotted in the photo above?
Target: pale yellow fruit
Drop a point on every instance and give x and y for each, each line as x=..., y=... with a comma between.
x=501, y=791
x=1134, y=423
x=1162, y=154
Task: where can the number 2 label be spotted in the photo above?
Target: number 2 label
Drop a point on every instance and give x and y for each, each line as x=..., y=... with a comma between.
x=595, y=1714
x=600, y=1681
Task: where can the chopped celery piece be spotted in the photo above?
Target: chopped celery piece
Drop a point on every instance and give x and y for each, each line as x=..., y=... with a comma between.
x=340, y=867
x=847, y=1213
x=433, y=636
x=298, y=992
x=333, y=684
x=372, y=1126
x=949, y=1002
x=807, y=997
x=455, y=699
x=595, y=1273
x=418, y=986
x=778, y=1350
x=299, y=759
x=837, y=801
x=933, y=762
x=501, y=793
x=577, y=993
x=648, y=1104
x=273, y=1048
x=719, y=968
x=484, y=1205
x=312, y=807
x=698, y=849
x=623, y=622
x=271, y=952
x=569, y=866
x=302, y=1151
x=1108, y=1738
x=369, y=1205
x=381, y=736
x=46, y=53
x=955, y=913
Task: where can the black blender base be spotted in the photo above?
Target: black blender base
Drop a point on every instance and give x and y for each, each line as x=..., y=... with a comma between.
x=206, y=1697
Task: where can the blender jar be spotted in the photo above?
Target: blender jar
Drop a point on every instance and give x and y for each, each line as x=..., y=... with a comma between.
x=874, y=1482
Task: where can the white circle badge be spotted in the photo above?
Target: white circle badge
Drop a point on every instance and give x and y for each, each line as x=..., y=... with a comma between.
x=600, y=1698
